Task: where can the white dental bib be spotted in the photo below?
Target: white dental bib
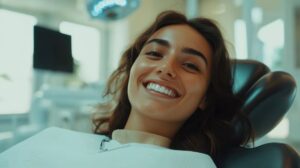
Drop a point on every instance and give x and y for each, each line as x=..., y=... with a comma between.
x=60, y=148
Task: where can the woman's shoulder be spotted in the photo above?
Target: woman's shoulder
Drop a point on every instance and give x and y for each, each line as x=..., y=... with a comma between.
x=47, y=148
x=61, y=132
x=167, y=157
x=65, y=135
x=55, y=138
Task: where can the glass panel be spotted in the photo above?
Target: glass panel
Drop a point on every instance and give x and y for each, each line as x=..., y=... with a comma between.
x=85, y=50
x=16, y=51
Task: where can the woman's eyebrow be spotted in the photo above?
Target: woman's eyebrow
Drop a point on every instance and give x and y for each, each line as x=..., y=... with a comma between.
x=186, y=50
x=194, y=52
x=159, y=41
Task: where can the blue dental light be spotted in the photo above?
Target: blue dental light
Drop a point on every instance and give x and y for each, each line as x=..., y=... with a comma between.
x=111, y=9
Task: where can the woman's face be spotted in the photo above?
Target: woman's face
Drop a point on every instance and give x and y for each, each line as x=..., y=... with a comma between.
x=169, y=79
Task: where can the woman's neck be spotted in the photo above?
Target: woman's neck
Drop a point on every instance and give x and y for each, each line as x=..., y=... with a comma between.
x=138, y=122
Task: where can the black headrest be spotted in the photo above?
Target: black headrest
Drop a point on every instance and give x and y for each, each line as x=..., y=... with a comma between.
x=246, y=73
x=274, y=155
x=266, y=96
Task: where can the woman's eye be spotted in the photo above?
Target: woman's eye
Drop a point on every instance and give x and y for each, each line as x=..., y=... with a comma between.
x=191, y=66
x=154, y=54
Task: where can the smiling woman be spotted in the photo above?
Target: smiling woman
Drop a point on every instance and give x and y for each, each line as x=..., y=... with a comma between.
x=173, y=85
x=169, y=104
x=159, y=88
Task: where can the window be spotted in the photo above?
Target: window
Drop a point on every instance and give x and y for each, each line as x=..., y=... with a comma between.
x=16, y=53
x=85, y=50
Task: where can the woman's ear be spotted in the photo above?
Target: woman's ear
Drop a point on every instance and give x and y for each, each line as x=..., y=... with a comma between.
x=202, y=104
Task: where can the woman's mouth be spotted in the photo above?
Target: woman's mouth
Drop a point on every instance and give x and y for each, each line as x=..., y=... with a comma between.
x=170, y=92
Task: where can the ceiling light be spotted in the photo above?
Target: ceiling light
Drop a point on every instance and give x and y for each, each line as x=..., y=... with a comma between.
x=111, y=9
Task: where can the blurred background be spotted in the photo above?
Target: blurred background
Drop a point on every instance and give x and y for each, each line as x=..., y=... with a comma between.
x=56, y=55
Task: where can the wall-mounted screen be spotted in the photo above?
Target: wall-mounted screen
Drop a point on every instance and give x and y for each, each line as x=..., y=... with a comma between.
x=52, y=50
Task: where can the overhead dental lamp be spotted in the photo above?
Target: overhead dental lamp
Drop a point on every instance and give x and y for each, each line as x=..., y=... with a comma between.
x=111, y=9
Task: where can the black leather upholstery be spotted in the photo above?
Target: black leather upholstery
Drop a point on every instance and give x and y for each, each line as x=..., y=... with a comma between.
x=271, y=155
x=266, y=97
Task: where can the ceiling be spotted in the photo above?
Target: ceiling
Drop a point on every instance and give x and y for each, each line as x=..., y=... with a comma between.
x=76, y=9
x=59, y=8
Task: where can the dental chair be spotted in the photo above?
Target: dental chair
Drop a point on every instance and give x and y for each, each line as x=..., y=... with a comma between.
x=266, y=96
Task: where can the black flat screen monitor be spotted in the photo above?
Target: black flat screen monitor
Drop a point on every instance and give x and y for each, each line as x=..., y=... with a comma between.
x=52, y=50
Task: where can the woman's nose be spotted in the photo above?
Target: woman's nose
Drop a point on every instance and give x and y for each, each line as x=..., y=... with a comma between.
x=167, y=69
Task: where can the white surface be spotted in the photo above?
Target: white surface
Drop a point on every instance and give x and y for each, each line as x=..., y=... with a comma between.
x=55, y=148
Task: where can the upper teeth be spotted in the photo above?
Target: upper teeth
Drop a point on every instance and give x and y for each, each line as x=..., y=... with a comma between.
x=160, y=89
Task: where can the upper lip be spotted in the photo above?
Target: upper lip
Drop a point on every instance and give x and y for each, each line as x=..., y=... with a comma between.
x=177, y=92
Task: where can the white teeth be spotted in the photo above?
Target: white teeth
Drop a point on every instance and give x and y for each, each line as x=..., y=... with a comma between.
x=161, y=89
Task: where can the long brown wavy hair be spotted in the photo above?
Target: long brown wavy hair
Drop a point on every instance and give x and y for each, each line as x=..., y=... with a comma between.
x=205, y=130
